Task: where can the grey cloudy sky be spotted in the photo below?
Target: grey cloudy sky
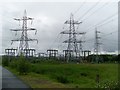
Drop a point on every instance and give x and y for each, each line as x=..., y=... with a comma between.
x=49, y=18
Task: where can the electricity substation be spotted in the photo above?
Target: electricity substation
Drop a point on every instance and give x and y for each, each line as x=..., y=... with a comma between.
x=74, y=46
x=60, y=45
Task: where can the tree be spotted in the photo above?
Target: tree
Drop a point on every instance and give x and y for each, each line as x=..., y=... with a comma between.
x=23, y=65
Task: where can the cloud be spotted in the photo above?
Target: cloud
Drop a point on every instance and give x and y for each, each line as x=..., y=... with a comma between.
x=49, y=18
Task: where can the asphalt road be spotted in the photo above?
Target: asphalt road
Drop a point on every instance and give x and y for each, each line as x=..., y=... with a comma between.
x=11, y=82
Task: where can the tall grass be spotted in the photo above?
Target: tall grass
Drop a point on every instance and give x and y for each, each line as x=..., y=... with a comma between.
x=78, y=74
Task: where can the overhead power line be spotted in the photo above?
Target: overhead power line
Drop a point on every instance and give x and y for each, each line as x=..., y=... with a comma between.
x=110, y=33
x=79, y=7
x=103, y=37
x=106, y=19
x=89, y=10
x=97, y=10
x=98, y=24
x=107, y=22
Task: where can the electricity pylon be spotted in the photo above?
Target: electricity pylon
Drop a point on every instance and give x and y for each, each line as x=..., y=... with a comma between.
x=24, y=45
x=97, y=43
x=72, y=41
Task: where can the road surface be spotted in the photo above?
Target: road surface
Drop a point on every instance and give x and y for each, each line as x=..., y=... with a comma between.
x=10, y=81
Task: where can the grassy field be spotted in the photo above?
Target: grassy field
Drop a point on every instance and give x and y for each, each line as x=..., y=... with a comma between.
x=69, y=75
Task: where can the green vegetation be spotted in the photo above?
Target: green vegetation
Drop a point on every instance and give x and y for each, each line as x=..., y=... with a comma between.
x=23, y=66
x=5, y=62
x=81, y=75
x=20, y=64
x=0, y=60
x=104, y=58
x=56, y=74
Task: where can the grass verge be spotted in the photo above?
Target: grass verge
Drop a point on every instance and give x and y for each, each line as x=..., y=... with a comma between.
x=68, y=75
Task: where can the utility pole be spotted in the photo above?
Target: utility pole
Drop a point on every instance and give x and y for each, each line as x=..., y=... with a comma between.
x=24, y=45
x=72, y=41
x=97, y=43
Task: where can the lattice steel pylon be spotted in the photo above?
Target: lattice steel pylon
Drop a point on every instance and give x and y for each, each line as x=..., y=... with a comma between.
x=72, y=41
x=97, y=44
x=24, y=45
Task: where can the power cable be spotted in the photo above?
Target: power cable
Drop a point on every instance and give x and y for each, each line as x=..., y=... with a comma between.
x=97, y=10
x=89, y=10
x=79, y=7
x=89, y=29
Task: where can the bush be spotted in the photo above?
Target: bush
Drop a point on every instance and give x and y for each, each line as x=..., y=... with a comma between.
x=83, y=74
x=23, y=65
x=110, y=85
x=61, y=78
x=14, y=64
x=5, y=61
x=38, y=70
